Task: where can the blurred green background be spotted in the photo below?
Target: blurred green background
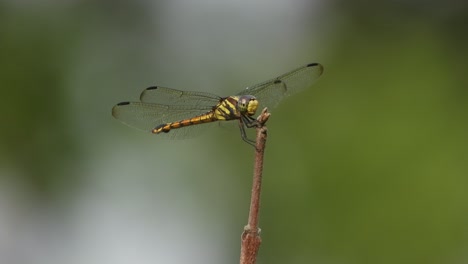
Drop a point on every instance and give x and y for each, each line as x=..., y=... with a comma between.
x=370, y=165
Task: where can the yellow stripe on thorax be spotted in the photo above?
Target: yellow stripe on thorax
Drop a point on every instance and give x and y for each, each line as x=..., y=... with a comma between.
x=226, y=109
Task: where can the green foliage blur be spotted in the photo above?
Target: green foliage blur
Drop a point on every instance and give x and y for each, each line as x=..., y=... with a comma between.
x=370, y=165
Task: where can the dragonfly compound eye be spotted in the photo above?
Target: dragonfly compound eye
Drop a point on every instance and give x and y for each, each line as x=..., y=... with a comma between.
x=247, y=104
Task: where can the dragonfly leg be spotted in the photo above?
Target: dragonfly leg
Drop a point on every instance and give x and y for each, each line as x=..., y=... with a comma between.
x=249, y=121
x=242, y=126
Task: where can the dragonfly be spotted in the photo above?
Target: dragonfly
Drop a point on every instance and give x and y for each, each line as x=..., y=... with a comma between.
x=183, y=114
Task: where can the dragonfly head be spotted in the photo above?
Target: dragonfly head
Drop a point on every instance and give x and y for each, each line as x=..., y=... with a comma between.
x=247, y=104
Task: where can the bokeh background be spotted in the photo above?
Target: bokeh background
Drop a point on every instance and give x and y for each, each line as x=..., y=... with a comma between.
x=370, y=165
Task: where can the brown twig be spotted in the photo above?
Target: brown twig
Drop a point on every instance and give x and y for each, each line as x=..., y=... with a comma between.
x=250, y=240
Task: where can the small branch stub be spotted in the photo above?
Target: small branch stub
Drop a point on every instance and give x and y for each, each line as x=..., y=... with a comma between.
x=250, y=240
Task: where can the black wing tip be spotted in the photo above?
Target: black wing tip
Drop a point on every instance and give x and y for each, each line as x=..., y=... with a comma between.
x=147, y=89
x=315, y=64
x=115, y=111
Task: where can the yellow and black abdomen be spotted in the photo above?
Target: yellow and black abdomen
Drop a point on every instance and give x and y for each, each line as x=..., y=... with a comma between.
x=205, y=118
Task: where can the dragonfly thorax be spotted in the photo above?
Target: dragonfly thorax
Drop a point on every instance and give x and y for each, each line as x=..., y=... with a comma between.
x=247, y=104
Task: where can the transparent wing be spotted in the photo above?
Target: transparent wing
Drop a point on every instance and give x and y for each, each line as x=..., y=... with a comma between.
x=272, y=92
x=146, y=116
x=168, y=96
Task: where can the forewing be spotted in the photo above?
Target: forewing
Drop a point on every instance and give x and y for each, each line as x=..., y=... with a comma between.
x=169, y=96
x=146, y=116
x=272, y=92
